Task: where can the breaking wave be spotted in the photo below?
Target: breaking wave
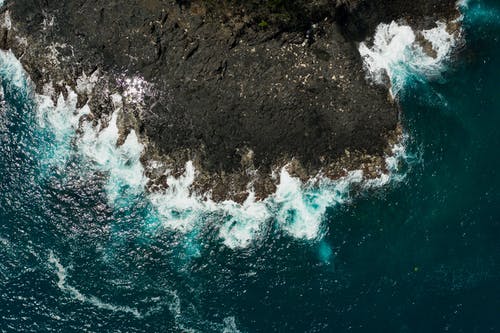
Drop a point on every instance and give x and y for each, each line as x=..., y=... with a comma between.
x=404, y=54
x=297, y=208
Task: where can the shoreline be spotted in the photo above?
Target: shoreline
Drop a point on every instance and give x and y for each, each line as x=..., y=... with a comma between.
x=228, y=171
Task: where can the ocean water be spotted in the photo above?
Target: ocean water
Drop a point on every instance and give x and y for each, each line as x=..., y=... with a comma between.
x=84, y=248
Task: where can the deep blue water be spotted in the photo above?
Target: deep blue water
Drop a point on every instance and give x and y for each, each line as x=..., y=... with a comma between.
x=422, y=255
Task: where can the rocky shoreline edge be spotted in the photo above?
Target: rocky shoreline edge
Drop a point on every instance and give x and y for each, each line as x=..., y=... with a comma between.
x=239, y=92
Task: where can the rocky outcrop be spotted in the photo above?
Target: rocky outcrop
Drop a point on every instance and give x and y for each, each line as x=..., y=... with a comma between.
x=239, y=87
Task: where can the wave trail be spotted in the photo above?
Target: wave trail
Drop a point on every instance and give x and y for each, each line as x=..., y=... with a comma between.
x=63, y=285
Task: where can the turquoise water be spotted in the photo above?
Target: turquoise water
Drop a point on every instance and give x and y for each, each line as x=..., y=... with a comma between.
x=418, y=255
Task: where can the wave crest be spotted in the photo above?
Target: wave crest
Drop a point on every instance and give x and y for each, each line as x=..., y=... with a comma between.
x=297, y=208
x=404, y=54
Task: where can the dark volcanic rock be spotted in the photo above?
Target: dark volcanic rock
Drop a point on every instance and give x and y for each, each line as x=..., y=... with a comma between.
x=232, y=85
x=359, y=21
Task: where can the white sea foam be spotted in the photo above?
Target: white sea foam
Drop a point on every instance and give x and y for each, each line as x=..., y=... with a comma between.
x=122, y=162
x=394, y=164
x=397, y=54
x=298, y=209
x=59, y=122
x=12, y=71
x=62, y=118
x=301, y=208
x=463, y=4
x=64, y=286
x=179, y=209
x=391, y=45
x=244, y=223
x=442, y=41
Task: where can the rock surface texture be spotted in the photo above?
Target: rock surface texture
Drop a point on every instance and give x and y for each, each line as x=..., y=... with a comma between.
x=239, y=87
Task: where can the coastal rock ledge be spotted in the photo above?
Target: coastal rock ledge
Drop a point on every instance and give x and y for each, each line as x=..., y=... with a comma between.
x=241, y=88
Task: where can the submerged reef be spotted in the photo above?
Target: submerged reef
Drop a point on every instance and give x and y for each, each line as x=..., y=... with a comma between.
x=240, y=88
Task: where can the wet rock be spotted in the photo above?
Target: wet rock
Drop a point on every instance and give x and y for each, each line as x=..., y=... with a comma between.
x=240, y=88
